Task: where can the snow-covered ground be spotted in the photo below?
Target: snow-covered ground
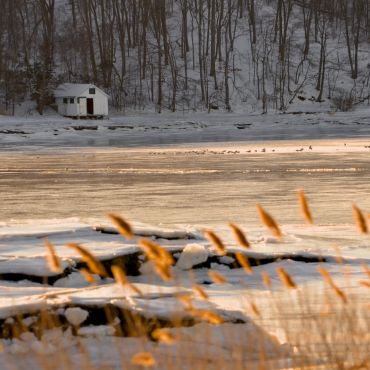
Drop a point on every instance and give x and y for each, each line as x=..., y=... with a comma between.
x=59, y=178
x=53, y=131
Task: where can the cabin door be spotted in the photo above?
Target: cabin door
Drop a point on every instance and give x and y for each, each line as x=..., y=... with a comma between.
x=90, y=105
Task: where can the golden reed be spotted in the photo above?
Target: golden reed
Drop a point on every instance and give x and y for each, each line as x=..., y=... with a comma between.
x=52, y=258
x=239, y=235
x=216, y=242
x=123, y=227
x=95, y=266
x=360, y=220
x=304, y=207
x=269, y=222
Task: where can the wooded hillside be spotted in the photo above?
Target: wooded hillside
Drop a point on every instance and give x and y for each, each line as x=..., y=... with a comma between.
x=187, y=54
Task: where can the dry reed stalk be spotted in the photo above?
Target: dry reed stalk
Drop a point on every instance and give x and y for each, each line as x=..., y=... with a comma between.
x=243, y=262
x=121, y=279
x=240, y=236
x=52, y=258
x=286, y=278
x=95, y=266
x=87, y=276
x=329, y=280
x=266, y=279
x=143, y=359
x=200, y=291
x=269, y=222
x=216, y=277
x=304, y=207
x=360, y=220
x=366, y=268
x=123, y=227
x=163, y=336
x=216, y=242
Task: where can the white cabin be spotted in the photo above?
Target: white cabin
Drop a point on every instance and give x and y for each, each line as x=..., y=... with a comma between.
x=81, y=100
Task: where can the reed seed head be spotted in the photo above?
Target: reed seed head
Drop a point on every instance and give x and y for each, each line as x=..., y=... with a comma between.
x=360, y=220
x=52, y=258
x=240, y=236
x=143, y=359
x=286, y=278
x=243, y=262
x=269, y=222
x=216, y=242
x=216, y=277
x=95, y=266
x=123, y=227
x=304, y=207
x=163, y=336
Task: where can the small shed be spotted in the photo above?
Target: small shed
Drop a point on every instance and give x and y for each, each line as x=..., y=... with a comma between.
x=81, y=100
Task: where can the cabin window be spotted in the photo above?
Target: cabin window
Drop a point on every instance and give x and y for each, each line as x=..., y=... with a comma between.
x=92, y=91
x=65, y=100
x=71, y=100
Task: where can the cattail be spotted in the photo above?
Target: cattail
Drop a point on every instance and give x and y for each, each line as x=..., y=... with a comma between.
x=87, y=276
x=240, y=236
x=216, y=277
x=121, y=279
x=243, y=262
x=123, y=227
x=286, y=278
x=216, y=242
x=360, y=220
x=266, y=279
x=163, y=336
x=304, y=207
x=269, y=222
x=366, y=268
x=200, y=291
x=95, y=266
x=52, y=258
x=328, y=279
x=143, y=359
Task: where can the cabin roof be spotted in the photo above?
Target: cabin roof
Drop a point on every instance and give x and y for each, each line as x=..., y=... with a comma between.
x=74, y=90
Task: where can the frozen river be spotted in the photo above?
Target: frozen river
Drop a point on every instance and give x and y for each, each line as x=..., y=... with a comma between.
x=185, y=185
